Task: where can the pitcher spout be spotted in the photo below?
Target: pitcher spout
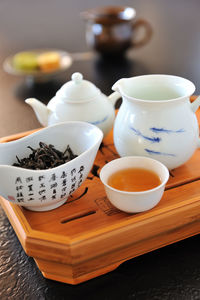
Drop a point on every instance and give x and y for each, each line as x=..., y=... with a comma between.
x=40, y=109
x=117, y=86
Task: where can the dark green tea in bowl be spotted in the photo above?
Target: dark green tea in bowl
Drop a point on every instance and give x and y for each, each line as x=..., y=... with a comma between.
x=45, y=157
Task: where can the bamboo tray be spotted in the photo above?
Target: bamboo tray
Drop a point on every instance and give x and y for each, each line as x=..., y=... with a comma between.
x=88, y=237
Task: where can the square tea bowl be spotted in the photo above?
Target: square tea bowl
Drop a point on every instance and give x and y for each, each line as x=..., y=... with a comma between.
x=134, y=202
x=42, y=190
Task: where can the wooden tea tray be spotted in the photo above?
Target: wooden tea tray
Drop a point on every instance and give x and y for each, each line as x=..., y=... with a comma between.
x=87, y=236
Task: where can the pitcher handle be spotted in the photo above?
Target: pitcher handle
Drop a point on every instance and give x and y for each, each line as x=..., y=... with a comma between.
x=195, y=104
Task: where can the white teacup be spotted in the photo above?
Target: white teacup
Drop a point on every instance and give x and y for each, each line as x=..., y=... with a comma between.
x=134, y=202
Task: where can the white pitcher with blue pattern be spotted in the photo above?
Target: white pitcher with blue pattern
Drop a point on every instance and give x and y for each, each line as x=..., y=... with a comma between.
x=157, y=119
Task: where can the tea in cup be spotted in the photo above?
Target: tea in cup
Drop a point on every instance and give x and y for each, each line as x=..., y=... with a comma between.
x=110, y=30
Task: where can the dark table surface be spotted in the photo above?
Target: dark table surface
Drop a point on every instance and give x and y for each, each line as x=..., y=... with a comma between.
x=172, y=272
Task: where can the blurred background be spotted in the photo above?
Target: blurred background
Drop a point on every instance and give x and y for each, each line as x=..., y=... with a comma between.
x=173, y=49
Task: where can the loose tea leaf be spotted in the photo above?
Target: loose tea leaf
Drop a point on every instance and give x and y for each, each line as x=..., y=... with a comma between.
x=45, y=157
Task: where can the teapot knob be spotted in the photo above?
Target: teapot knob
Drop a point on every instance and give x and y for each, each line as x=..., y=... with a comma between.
x=77, y=77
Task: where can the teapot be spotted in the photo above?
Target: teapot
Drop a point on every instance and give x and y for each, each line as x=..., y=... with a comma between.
x=77, y=100
x=157, y=119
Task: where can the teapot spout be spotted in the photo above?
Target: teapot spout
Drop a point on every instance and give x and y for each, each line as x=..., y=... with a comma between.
x=40, y=109
x=114, y=97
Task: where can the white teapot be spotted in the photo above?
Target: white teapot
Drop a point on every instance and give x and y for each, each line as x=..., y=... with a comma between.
x=156, y=118
x=77, y=100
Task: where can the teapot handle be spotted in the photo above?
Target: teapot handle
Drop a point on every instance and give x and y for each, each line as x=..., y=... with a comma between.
x=195, y=104
x=114, y=97
x=147, y=34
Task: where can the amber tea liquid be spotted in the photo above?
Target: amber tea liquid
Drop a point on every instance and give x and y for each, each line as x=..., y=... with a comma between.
x=134, y=180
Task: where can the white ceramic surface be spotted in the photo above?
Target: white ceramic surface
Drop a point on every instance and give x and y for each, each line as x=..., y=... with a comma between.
x=156, y=119
x=134, y=202
x=77, y=100
x=38, y=75
x=42, y=190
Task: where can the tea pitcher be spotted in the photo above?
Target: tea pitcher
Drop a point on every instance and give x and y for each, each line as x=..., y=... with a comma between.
x=157, y=119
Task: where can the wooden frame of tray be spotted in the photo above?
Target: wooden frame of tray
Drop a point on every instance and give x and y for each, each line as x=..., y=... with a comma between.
x=87, y=236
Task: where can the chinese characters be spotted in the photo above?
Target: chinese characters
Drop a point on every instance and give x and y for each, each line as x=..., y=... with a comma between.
x=45, y=187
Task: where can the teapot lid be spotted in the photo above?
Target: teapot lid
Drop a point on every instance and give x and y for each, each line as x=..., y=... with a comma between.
x=77, y=90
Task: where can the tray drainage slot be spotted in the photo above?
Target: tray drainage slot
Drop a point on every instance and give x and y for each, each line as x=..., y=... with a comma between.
x=78, y=216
